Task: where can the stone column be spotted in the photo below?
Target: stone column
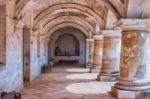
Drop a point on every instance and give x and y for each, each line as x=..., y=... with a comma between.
x=134, y=77
x=89, y=52
x=98, y=50
x=111, y=55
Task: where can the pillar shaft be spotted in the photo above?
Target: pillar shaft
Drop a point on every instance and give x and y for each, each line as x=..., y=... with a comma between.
x=134, y=77
x=89, y=52
x=135, y=61
x=98, y=50
x=111, y=55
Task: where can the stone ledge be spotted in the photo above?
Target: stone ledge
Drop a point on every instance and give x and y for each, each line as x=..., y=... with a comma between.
x=90, y=40
x=112, y=33
x=133, y=24
x=125, y=94
x=106, y=78
x=98, y=37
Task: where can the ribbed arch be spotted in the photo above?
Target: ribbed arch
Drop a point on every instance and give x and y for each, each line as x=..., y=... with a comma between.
x=56, y=27
x=80, y=7
x=68, y=12
x=68, y=19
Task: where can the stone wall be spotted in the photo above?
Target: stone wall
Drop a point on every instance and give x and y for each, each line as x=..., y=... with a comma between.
x=83, y=14
x=72, y=47
x=80, y=40
x=137, y=8
x=38, y=59
x=11, y=77
x=26, y=53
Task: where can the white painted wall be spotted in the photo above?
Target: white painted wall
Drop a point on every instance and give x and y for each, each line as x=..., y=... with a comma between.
x=37, y=61
x=137, y=7
x=11, y=77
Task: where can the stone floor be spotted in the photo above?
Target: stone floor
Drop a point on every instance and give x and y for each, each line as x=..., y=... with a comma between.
x=67, y=82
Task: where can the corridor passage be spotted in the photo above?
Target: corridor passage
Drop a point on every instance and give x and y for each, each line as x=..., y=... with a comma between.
x=67, y=82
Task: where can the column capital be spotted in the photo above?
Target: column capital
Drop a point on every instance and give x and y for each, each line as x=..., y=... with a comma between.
x=112, y=33
x=20, y=25
x=47, y=39
x=34, y=33
x=98, y=37
x=90, y=39
x=133, y=24
x=42, y=37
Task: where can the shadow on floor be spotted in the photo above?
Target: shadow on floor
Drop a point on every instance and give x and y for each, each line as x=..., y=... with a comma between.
x=67, y=82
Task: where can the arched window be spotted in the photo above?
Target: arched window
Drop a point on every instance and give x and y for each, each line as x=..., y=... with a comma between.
x=2, y=35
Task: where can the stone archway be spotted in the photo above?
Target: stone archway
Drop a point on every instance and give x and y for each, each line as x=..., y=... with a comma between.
x=70, y=49
x=68, y=45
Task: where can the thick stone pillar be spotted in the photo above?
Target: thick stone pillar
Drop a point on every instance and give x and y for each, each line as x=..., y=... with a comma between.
x=98, y=50
x=111, y=55
x=135, y=60
x=89, y=52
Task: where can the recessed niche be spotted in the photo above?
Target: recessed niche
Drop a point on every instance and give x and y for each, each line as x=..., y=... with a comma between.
x=67, y=45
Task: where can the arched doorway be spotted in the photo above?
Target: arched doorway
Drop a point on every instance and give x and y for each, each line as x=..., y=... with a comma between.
x=26, y=54
x=68, y=45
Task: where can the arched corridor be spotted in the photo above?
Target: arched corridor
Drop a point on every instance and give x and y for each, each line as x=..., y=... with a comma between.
x=97, y=49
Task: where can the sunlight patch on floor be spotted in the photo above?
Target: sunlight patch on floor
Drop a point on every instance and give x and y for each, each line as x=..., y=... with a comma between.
x=90, y=87
x=88, y=76
x=78, y=70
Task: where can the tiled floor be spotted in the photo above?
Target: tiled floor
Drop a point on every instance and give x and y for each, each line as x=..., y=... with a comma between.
x=67, y=82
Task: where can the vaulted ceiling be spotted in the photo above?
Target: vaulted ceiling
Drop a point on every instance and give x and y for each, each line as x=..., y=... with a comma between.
x=87, y=15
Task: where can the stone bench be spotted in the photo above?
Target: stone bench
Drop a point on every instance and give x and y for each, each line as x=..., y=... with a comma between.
x=47, y=68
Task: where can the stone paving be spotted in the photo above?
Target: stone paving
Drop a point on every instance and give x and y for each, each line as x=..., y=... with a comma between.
x=67, y=82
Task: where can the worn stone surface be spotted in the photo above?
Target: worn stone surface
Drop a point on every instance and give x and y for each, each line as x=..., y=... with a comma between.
x=89, y=52
x=111, y=55
x=67, y=82
x=136, y=8
x=98, y=51
x=135, y=60
x=91, y=17
x=12, y=75
x=124, y=94
x=135, y=57
x=80, y=46
x=26, y=54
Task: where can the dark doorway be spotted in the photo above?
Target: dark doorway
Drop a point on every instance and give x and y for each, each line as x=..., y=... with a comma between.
x=26, y=54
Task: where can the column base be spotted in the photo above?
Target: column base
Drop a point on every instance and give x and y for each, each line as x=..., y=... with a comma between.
x=125, y=94
x=94, y=70
x=107, y=77
x=88, y=66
